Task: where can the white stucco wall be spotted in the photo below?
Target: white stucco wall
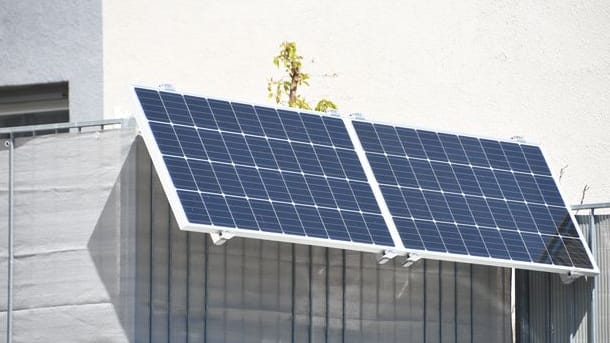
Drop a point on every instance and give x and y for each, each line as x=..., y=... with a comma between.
x=540, y=70
x=536, y=69
x=51, y=41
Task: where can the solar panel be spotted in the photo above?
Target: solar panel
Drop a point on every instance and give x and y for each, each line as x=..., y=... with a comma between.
x=261, y=172
x=280, y=174
x=469, y=199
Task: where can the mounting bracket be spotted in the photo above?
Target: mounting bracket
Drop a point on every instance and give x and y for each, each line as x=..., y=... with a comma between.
x=387, y=256
x=410, y=260
x=570, y=277
x=220, y=237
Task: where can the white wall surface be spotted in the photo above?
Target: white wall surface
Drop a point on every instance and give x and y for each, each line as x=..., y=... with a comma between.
x=537, y=69
x=51, y=41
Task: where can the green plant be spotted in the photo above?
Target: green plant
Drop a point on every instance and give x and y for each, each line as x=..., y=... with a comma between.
x=292, y=63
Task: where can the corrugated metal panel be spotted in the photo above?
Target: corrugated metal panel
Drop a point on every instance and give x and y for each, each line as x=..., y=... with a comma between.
x=603, y=280
x=557, y=312
x=188, y=289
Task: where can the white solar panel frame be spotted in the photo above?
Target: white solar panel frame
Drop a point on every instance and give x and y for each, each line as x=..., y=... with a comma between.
x=172, y=195
x=398, y=248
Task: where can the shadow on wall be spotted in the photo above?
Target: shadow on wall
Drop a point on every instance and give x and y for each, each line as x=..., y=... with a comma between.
x=551, y=311
x=171, y=285
x=112, y=248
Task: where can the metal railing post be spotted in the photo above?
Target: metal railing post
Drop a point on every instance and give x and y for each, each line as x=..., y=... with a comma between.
x=10, y=143
x=593, y=246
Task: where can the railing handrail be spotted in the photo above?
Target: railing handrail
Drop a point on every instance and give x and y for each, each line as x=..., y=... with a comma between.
x=591, y=206
x=123, y=121
x=61, y=126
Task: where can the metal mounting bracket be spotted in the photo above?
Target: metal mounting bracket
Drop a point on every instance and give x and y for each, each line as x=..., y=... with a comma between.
x=387, y=256
x=410, y=260
x=220, y=237
x=570, y=277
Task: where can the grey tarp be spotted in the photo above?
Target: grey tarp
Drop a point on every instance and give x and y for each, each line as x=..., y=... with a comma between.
x=98, y=257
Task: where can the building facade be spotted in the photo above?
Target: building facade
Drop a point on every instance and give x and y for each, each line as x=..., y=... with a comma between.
x=538, y=70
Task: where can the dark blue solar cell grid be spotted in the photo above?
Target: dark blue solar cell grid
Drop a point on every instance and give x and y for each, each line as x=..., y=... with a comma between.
x=463, y=195
x=152, y=105
x=258, y=168
x=176, y=108
x=224, y=115
x=200, y=112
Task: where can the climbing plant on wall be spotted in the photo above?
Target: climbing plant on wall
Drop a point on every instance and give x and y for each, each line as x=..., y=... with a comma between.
x=285, y=90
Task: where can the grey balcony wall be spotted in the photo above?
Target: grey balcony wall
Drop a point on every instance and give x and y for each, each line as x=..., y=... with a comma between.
x=99, y=257
x=69, y=192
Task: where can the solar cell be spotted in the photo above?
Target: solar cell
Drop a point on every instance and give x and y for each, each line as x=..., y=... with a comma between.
x=237, y=166
x=479, y=198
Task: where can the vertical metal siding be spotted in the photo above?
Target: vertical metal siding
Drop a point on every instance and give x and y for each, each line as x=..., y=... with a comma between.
x=557, y=312
x=603, y=280
x=189, y=290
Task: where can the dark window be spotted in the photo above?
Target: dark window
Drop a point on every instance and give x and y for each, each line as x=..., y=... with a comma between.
x=34, y=104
